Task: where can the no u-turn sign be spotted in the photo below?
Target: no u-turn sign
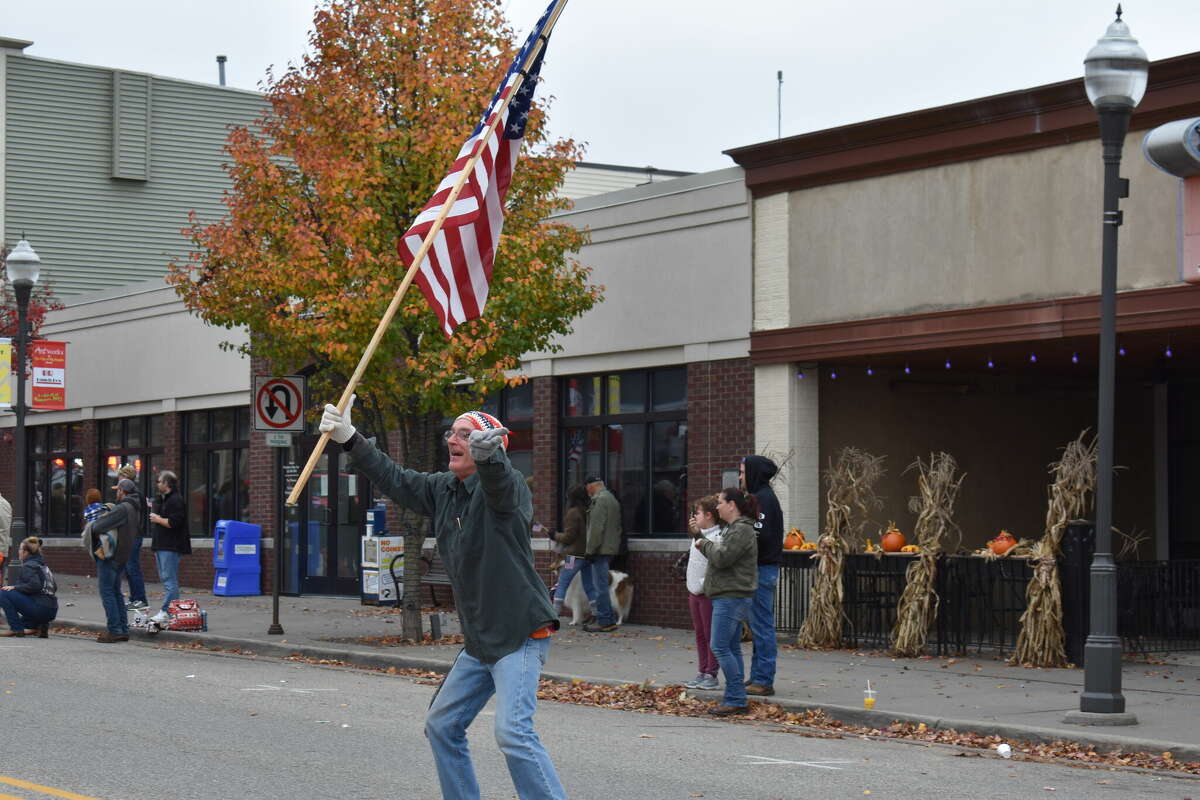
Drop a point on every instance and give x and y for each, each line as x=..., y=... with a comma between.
x=279, y=403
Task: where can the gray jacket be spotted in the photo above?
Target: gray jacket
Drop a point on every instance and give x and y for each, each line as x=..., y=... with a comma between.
x=126, y=520
x=482, y=530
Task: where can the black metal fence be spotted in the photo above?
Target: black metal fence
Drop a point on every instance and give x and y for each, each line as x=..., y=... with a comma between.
x=980, y=601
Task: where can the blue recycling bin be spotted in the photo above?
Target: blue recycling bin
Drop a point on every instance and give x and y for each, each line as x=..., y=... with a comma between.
x=237, y=558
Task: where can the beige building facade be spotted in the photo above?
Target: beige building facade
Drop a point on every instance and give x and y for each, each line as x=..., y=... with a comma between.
x=930, y=282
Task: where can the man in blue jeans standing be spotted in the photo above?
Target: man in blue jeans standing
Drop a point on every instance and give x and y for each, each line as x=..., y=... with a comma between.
x=480, y=511
x=603, y=542
x=170, y=539
x=754, y=476
x=125, y=520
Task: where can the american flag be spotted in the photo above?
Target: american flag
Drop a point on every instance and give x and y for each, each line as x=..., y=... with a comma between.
x=456, y=272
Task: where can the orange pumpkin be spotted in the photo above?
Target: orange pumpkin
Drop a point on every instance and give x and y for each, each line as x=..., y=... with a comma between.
x=793, y=540
x=808, y=546
x=893, y=539
x=1003, y=542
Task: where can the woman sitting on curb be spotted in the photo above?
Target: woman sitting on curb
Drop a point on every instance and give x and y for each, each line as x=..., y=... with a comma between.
x=30, y=601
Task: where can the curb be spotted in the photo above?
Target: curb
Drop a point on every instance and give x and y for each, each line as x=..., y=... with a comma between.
x=849, y=715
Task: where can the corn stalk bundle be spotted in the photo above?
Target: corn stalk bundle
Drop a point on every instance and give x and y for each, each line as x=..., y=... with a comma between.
x=1042, y=642
x=850, y=497
x=934, y=529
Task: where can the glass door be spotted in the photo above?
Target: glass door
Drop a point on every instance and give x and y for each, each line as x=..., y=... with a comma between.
x=325, y=526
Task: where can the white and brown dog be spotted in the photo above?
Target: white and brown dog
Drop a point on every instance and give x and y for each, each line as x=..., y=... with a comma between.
x=620, y=596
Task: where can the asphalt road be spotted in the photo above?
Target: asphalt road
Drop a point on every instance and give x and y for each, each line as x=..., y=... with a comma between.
x=139, y=722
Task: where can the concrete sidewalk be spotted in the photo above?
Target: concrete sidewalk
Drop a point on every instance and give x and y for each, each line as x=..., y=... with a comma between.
x=977, y=693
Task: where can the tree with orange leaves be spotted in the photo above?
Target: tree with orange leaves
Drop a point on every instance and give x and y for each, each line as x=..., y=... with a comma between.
x=357, y=137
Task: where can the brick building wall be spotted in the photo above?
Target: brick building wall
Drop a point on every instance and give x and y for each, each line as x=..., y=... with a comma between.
x=720, y=432
x=720, y=421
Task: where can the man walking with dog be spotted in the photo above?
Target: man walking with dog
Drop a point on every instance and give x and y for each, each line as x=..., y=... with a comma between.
x=480, y=512
x=603, y=542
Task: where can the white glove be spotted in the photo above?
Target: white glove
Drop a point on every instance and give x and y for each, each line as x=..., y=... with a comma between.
x=337, y=425
x=483, y=443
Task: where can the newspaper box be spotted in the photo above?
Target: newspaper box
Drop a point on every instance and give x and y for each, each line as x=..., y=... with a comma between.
x=378, y=555
x=237, y=549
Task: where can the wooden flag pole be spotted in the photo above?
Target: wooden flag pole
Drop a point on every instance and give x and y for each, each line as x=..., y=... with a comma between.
x=394, y=306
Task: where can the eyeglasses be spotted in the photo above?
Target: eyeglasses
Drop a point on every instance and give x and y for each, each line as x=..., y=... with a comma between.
x=462, y=436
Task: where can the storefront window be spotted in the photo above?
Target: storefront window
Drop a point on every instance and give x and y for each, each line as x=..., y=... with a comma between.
x=55, y=481
x=125, y=443
x=634, y=436
x=215, y=480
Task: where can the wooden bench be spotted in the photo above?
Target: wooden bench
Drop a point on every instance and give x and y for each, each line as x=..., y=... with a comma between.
x=433, y=575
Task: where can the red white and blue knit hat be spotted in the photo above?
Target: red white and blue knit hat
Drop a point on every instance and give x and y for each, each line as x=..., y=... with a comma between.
x=482, y=421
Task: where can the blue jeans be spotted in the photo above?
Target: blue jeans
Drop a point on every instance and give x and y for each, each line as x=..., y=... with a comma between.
x=133, y=572
x=762, y=626
x=463, y=693
x=567, y=573
x=599, y=590
x=22, y=611
x=168, y=573
x=108, y=575
x=726, y=643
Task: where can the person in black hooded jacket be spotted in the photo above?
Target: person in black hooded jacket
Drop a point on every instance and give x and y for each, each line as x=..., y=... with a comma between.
x=754, y=476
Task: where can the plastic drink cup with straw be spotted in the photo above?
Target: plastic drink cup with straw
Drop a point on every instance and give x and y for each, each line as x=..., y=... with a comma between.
x=869, y=697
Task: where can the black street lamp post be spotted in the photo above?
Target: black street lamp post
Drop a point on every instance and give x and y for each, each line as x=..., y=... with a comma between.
x=1115, y=73
x=22, y=266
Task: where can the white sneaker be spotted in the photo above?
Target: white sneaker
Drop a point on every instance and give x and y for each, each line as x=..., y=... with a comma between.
x=709, y=682
x=161, y=617
x=695, y=683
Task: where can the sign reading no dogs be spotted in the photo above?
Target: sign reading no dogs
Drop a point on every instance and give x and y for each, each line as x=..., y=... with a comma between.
x=279, y=403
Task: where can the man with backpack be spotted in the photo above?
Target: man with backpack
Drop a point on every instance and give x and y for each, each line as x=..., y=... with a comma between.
x=125, y=520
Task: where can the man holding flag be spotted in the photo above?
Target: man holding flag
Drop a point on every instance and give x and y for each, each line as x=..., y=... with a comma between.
x=481, y=508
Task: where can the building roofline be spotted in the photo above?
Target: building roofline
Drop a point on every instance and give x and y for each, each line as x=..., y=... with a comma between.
x=674, y=173
x=1028, y=119
x=153, y=75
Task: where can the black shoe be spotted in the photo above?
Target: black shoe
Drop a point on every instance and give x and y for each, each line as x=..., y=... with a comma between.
x=609, y=628
x=726, y=711
x=43, y=631
x=12, y=633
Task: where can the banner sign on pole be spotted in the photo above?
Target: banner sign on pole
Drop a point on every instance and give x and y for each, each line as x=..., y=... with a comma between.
x=49, y=378
x=5, y=372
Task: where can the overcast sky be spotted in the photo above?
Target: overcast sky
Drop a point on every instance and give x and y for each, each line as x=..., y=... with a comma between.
x=666, y=83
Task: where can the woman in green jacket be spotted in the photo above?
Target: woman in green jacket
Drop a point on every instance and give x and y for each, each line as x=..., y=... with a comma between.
x=730, y=581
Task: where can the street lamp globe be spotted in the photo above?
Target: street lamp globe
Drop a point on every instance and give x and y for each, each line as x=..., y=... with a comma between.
x=1115, y=70
x=22, y=265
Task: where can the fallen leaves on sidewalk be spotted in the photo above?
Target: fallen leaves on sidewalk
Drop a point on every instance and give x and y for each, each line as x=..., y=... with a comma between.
x=676, y=701
x=399, y=641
